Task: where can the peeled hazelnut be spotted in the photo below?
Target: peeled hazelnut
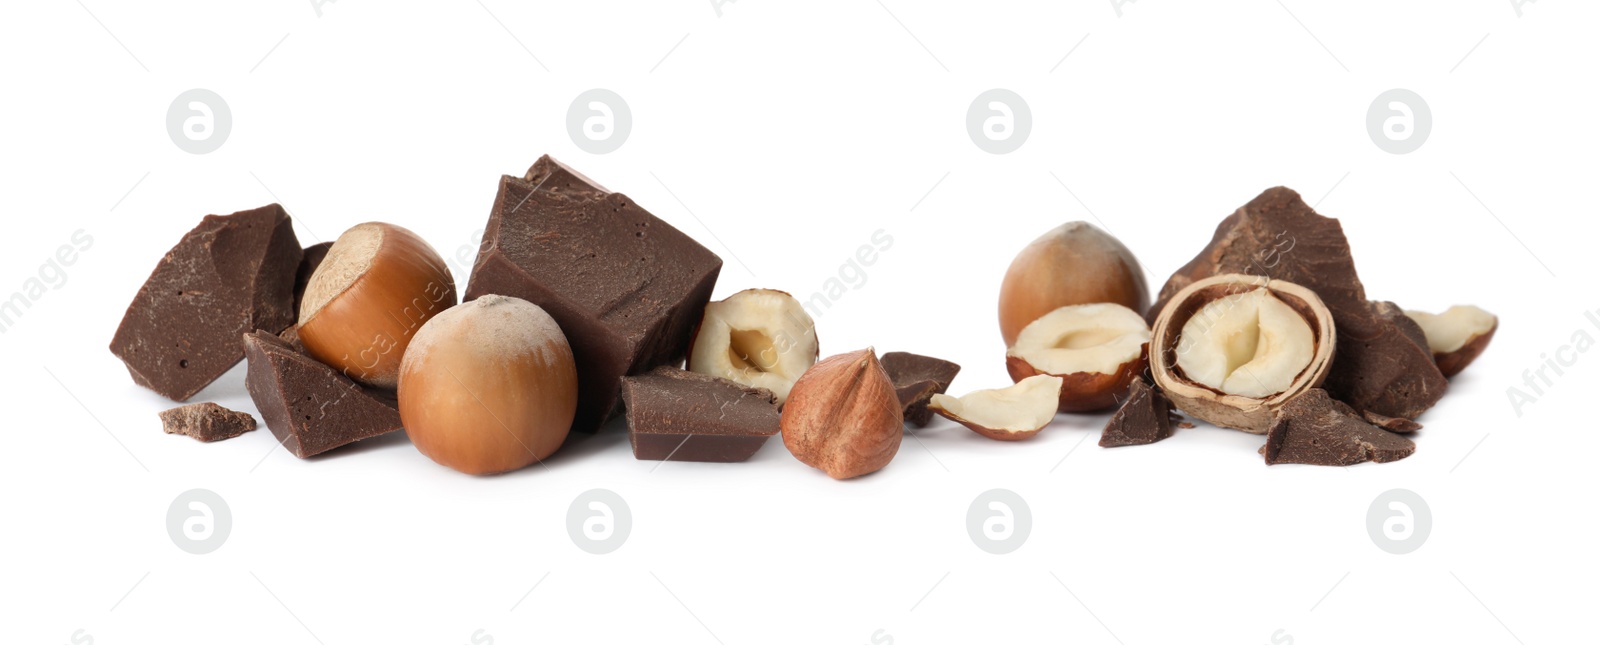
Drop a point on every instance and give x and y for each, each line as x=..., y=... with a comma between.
x=1008, y=414
x=1097, y=349
x=377, y=286
x=843, y=416
x=1457, y=336
x=1073, y=264
x=488, y=386
x=756, y=338
x=1232, y=349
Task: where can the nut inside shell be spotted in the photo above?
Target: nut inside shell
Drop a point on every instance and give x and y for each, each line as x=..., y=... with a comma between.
x=1217, y=316
x=1097, y=350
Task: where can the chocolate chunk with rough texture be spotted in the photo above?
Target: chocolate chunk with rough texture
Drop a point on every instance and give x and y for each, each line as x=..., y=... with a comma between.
x=1145, y=417
x=311, y=408
x=916, y=379
x=626, y=288
x=1382, y=362
x=231, y=275
x=291, y=336
x=1392, y=424
x=206, y=422
x=1315, y=429
x=674, y=415
x=310, y=258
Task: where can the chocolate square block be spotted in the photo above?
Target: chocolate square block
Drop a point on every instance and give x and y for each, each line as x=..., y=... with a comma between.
x=674, y=415
x=311, y=408
x=231, y=275
x=626, y=287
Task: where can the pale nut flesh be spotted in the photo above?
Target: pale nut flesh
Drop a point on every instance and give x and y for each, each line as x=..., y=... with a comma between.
x=757, y=338
x=1007, y=414
x=1247, y=344
x=1098, y=349
x=1457, y=336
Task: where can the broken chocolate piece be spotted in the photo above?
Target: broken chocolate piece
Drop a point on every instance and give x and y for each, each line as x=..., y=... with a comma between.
x=1392, y=424
x=916, y=379
x=310, y=407
x=206, y=422
x=310, y=259
x=1145, y=417
x=1382, y=362
x=626, y=287
x=675, y=415
x=1315, y=429
x=231, y=275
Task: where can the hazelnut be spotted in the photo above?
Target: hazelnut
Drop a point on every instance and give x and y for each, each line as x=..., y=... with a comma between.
x=1073, y=264
x=756, y=338
x=488, y=386
x=1233, y=348
x=843, y=416
x=1457, y=336
x=1096, y=349
x=377, y=286
x=1007, y=414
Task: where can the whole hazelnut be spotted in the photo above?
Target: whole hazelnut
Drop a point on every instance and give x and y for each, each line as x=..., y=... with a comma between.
x=489, y=386
x=377, y=286
x=843, y=416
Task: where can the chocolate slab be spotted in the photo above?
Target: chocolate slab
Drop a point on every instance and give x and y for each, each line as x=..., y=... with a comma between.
x=626, y=287
x=1382, y=363
x=231, y=275
x=310, y=407
x=1315, y=429
x=206, y=422
x=674, y=415
x=916, y=379
x=1145, y=417
x=310, y=258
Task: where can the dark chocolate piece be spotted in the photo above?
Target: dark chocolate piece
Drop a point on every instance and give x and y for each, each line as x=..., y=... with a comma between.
x=291, y=336
x=674, y=415
x=310, y=407
x=1145, y=417
x=1392, y=424
x=206, y=422
x=626, y=288
x=916, y=379
x=1382, y=363
x=1315, y=429
x=310, y=258
x=231, y=275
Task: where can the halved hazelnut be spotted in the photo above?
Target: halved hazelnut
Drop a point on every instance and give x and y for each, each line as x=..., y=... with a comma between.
x=1233, y=348
x=1457, y=336
x=757, y=338
x=1008, y=414
x=1096, y=349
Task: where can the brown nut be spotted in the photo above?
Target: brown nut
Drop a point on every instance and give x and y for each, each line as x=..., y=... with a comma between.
x=489, y=386
x=1096, y=349
x=843, y=416
x=1073, y=264
x=1232, y=349
x=378, y=284
x=1457, y=336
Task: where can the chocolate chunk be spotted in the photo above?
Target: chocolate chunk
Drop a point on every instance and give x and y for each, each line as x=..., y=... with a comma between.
x=1315, y=429
x=626, y=287
x=674, y=415
x=310, y=258
x=1392, y=424
x=291, y=336
x=206, y=422
x=1382, y=362
x=310, y=407
x=1145, y=417
x=231, y=275
x=916, y=379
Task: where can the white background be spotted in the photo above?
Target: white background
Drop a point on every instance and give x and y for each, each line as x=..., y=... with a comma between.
x=791, y=132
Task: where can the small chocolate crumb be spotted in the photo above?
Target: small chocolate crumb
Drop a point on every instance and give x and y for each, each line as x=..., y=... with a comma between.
x=1314, y=429
x=1392, y=424
x=1145, y=417
x=206, y=422
x=916, y=379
